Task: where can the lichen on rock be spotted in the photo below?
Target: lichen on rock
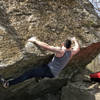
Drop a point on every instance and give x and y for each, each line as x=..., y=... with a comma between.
x=51, y=21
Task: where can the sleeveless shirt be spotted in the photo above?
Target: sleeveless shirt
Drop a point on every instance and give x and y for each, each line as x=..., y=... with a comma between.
x=58, y=63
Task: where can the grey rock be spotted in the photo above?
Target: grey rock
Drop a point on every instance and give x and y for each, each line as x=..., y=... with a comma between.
x=78, y=91
x=51, y=22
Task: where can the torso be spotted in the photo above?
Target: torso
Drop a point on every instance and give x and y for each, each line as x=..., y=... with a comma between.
x=62, y=53
x=59, y=55
x=59, y=61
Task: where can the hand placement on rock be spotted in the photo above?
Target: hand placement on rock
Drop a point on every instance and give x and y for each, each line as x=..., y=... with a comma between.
x=73, y=39
x=32, y=39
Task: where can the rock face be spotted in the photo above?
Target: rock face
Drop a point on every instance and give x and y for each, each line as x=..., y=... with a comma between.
x=77, y=91
x=52, y=22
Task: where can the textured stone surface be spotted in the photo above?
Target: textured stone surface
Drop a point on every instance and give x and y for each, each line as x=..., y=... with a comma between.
x=51, y=21
x=95, y=64
x=81, y=91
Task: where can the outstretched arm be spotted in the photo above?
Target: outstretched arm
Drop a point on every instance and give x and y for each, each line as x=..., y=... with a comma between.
x=46, y=46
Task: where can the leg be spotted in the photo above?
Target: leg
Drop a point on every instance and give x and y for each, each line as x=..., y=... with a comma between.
x=42, y=71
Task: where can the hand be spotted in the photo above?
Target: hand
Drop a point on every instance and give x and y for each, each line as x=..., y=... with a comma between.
x=73, y=39
x=32, y=39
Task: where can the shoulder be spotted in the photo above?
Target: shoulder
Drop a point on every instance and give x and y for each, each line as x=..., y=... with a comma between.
x=75, y=51
x=60, y=53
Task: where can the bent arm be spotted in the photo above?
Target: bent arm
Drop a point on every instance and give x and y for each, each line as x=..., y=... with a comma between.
x=76, y=48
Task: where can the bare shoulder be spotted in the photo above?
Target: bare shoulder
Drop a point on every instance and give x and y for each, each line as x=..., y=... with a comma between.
x=75, y=51
x=60, y=54
x=59, y=49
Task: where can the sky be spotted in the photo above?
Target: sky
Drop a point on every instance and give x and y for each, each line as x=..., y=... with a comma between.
x=96, y=4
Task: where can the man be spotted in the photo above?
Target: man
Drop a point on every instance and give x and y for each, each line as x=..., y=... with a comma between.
x=62, y=56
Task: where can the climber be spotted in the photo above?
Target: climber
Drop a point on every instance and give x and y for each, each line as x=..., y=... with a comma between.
x=62, y=56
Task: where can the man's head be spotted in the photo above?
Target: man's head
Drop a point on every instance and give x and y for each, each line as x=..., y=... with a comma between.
x=68, y=43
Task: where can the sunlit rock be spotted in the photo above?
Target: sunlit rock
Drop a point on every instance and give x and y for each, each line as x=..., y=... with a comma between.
x=51, y=22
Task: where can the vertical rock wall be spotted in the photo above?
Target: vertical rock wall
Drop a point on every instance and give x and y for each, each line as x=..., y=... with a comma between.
x=51, y=21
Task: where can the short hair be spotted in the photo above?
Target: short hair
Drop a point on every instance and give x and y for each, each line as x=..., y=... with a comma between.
x=67, y=43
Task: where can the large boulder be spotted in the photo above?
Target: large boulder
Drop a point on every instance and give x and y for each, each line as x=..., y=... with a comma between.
x=52, y=22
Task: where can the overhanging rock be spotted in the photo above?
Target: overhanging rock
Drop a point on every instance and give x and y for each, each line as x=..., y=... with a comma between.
x=52, y=22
